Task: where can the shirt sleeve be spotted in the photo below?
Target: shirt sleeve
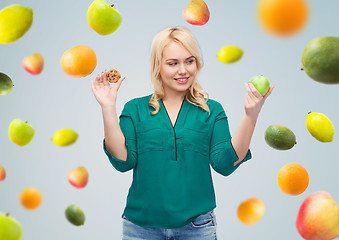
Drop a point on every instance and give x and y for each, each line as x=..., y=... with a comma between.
x=222, y=153
x=128, y=129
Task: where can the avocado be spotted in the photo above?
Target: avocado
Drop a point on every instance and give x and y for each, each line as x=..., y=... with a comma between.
x=320, y=59
x=280, y=137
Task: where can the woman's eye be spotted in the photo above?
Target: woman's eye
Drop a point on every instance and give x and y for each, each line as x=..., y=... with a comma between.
x=172, y=64
x=190, y=61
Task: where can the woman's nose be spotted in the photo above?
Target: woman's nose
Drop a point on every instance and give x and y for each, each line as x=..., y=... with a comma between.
x=182, y=69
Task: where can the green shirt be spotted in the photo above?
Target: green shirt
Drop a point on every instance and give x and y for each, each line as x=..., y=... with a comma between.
x=172, y=182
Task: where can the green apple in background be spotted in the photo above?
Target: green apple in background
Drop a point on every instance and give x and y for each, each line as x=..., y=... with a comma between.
x=6, y=84
x=20, y=132
x=261, y=84
x=10, y=228
x=103, y=18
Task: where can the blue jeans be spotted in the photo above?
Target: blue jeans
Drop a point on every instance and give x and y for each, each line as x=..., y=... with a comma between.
x=202, y=228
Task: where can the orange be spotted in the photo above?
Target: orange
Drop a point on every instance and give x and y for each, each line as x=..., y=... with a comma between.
x=282, y=17
x=30, y=198
x=78, y=61
x=293, y=179
x=250, y=211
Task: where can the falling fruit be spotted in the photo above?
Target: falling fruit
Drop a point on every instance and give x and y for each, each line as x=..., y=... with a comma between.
x=320, y=127
x=230, y=54
x=10, y=228
x=15, y=20
x=103, y=18
x=318, y=217
x=2, y=173
x=78, y=177
x=78, y=61
x=196, y=13
x=33, y=63
x=261, y=84
x=75, y=215
x=320, y=59
x=64, y=137
x=250, y=211
x=30, y=198
x=293, y=179
x=6, y=84
x=280, y=137
x=282, y=18
x=20, y=132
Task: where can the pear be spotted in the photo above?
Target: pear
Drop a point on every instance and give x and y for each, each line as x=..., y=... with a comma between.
x=15, y=20
x=196, y=13
x=318, y=217
x=103, y=18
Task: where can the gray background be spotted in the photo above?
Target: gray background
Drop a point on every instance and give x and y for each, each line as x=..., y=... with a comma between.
x=54, y=100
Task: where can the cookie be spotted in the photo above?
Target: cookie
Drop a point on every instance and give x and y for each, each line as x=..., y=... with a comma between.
x=113, y=75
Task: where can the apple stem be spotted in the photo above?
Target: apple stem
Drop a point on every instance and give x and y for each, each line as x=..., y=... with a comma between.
x=112, y=5
x=26, y=121
x=7, y=214
x=302, y=69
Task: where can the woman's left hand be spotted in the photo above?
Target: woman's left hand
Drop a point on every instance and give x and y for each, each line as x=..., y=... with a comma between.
x=254, y=100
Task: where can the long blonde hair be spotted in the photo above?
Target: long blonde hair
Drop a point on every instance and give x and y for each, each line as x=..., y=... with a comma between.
x=195, y=95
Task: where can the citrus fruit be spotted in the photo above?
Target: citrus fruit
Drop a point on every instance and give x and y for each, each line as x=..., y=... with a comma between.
x=229, y=54
x=250, y=211
x=10, y=228
x=280, y=137
x=293, y=179
x=15, y=20
x=30, y=198
x=75, y=215
x=6, y=84
x=64, y=137
x=282, y=17
x=78, y=61
x=320, y=127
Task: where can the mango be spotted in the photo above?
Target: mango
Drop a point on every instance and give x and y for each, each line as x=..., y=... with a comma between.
x=15, y=20
x=320, y=59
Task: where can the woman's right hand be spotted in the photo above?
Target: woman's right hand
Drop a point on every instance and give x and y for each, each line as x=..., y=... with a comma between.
x=103, y=92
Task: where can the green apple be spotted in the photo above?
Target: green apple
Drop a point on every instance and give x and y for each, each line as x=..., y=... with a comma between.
x=10, y=228
x=103, y=18
x=20, y=132
x=6, y=84
x=261, y=84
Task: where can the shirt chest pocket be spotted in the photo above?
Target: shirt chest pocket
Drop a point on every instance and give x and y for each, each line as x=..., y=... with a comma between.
x=196, y=137
x=150, y=136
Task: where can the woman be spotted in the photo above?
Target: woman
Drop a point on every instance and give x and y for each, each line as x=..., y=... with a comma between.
x=170, y=139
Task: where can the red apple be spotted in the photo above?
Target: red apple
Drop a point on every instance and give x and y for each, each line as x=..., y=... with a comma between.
x=78, y=177
x=33, y=63
x=318, y=217
x=2, y=173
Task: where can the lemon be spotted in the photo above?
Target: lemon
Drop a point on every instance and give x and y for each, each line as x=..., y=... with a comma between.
x=15, y=20
x=229, y=54
x=64, y=137
x=320, y=127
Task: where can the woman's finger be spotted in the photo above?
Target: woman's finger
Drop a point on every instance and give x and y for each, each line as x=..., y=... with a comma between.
x=254, y=91
x=269, y=92
x=118, y=84
x=105, y=80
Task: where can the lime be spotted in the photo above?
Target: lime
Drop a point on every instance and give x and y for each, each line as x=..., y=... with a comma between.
x=280, y=137
x=6, y=84
x=75, y=215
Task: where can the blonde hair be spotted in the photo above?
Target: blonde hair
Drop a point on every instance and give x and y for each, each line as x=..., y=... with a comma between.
x=181, y=35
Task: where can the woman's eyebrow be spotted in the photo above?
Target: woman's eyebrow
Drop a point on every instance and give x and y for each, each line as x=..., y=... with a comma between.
x=174, y=59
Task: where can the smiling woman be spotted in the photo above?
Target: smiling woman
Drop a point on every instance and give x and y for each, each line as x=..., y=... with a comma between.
x=171, y=139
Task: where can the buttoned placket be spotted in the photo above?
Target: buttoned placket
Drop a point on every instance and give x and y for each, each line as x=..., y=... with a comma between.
x=173, y=127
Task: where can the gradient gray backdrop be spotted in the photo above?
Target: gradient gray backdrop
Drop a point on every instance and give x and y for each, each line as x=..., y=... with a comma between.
x=54, y=100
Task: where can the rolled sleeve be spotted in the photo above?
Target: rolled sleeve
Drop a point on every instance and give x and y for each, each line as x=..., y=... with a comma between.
x=222, y=153
x=128, y=129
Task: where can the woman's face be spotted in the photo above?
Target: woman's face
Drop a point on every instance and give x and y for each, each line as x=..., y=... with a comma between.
x=178, y=68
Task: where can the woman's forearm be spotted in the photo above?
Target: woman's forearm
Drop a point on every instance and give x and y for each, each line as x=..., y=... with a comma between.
x=114, y=138
x=241, y=139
